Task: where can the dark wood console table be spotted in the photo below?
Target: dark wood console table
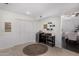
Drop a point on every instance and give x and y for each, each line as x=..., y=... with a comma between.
x=45, y=38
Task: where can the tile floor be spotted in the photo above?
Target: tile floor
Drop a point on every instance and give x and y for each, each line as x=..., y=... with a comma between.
x=52, y=51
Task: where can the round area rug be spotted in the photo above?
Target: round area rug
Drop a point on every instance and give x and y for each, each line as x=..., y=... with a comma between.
x=35, y=49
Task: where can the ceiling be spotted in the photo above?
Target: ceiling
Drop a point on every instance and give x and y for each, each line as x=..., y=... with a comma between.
x=38, y=10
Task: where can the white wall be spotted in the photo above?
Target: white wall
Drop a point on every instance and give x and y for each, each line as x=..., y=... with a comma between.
x=23, y=29
x=57, y=29
x=69, y=23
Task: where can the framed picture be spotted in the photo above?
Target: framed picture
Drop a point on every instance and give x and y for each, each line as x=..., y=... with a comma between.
x=51, y=25
x=45, y=26
x=49, y=22
x=7, y=26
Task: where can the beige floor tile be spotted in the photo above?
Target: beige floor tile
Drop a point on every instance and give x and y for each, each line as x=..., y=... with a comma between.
x=52, y=51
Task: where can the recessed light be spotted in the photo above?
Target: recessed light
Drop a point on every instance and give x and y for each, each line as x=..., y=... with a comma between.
x=28, y=13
